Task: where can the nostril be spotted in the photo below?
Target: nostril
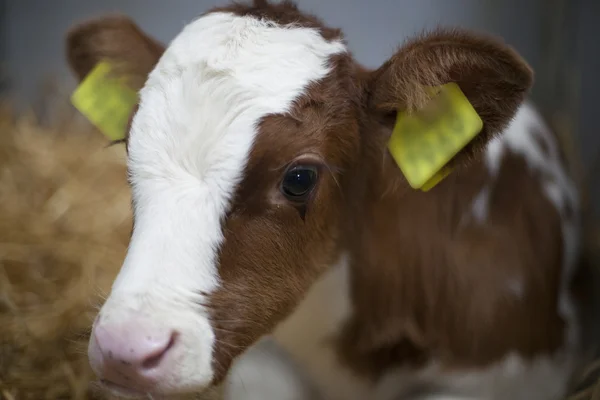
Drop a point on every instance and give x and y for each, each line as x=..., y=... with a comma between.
x=154, y=360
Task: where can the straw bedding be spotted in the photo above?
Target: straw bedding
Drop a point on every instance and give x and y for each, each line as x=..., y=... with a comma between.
x=64, y=227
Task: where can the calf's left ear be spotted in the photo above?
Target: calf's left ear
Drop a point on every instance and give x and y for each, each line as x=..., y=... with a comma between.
x=115, y=38
x=493, y=77
x=132, y=53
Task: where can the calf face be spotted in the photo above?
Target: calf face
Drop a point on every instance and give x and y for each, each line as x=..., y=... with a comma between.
x=247, y=155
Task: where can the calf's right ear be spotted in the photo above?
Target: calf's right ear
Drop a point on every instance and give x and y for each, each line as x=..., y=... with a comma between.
x=116, y=39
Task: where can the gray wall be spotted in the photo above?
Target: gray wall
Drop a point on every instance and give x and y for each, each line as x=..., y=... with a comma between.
x=3, y=45
x=35, y=28
x=588, y=60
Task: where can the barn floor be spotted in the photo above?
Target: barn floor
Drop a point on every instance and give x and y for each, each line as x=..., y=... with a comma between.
x=64, y=226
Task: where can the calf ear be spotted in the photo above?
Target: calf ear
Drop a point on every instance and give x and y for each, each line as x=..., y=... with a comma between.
x=116, y=39
x=492, y=76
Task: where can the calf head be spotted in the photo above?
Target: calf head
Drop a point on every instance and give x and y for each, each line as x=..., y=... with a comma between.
x=248, y=155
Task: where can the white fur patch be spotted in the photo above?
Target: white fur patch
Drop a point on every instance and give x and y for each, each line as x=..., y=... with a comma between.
x=493, y=154
x=516, y=286
x=481, y=204
x=188, y=147
x=544, y=378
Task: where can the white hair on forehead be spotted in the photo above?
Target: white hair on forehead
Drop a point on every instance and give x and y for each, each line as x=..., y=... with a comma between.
x=224, y=72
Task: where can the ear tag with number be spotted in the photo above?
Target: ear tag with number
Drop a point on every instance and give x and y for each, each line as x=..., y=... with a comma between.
x=423, y=142
x=105, y=100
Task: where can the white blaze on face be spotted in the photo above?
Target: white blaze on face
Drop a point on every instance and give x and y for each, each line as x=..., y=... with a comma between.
x=188, y=147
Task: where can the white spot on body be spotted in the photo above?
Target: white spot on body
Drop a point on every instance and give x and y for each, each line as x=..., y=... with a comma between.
x=516, y=286
x=480, y=205
x=493, y=154
x=543, y=378
x=188, y=147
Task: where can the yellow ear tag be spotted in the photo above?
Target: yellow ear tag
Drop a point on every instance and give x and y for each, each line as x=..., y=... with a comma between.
x=423, y=142
x=105, y=100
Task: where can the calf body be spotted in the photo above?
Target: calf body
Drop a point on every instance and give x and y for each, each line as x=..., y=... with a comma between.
x=265, y=202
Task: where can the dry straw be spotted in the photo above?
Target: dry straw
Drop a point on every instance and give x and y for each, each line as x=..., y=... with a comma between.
x=64, y=226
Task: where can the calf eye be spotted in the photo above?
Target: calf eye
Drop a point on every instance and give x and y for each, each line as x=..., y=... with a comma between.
x=298, y=182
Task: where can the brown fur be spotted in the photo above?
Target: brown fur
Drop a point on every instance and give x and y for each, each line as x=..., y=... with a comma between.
x=428, y=284
x=425, y=281
x=284, y=13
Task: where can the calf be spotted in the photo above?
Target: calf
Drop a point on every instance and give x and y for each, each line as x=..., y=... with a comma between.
x=266, y=202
